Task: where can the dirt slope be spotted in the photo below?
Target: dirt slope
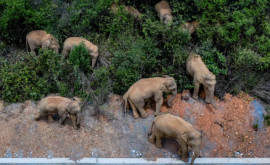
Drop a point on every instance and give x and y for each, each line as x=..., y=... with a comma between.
x=227, y=132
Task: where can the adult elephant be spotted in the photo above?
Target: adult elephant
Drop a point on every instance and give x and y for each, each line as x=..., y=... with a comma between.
x=201, y=75
x=41, y=39
x=174, y=127
x=147, y=88
x=74, y=41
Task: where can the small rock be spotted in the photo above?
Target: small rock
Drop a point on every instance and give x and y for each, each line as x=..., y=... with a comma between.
x=19, y=154
x=238, y=154
x=8, y=154
x=50, y=154
x=136, y=154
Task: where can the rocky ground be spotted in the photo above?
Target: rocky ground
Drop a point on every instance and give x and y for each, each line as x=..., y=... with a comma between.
x=107, y=132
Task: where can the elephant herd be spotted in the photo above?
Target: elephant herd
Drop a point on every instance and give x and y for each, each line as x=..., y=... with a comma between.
x=140, y=93
x=41, y=39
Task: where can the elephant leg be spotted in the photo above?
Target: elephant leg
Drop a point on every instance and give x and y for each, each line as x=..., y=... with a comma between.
x=134, y=110
x=159, y=100
x=32, y=48
x=94, y=60
x=196, y=90
x=152, y=137
x=62, y=119
x=140, y=108
x=50, y=118
x=206, y=91
x=158, y=140
x=73, y=119
x=39, y=115
x=184, y=148
x=65, y=52
x=180, y=148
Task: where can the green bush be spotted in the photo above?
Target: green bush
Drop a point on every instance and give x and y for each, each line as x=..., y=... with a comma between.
x=79, y=57
x=34, y=77
x=20, y=17
x=214, y=60
x=233, y=40
x=20, y=82
x=134, y=58
x=101, y=84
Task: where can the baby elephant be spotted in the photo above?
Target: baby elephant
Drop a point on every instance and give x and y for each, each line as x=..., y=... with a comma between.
x=62, y=106
x=190, y=27
x=164, y=11
x=74, y=41
x=170, y=126
x=201, y=75
x=41, y=39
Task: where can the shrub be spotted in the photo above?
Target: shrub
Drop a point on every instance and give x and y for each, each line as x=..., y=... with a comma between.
x=20, y=82
x=79, y=57
x=134, y=58
x=33, y=77
x=19, y=15
x=101, y=84
x=214, y=60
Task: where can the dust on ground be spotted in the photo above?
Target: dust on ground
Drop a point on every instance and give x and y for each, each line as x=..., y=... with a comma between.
x=107, y=132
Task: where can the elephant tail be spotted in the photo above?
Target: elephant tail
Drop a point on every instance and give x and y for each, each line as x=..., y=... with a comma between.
x=26, y=42
x=151, y=129
x=125, y=103
x=26, y=45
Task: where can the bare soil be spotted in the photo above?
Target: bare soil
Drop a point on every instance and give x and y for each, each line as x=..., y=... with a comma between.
x=107, y=132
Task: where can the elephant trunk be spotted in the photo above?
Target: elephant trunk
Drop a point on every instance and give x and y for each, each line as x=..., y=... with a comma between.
x=79, y=117
x=174, y=92
x=194, y=156
x=94, y=60
x=56, y=51
x=212, y=99
x=213, y=103
x=196, y=151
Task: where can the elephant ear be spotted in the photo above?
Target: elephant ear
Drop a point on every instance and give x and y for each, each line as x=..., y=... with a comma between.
x=170, y=83
x=185, y=137
x=210, y=80
x=199, y=78
x=79, y=100
x=93, y=50
x=68, y=108
x=163, y=87
x=47, y=40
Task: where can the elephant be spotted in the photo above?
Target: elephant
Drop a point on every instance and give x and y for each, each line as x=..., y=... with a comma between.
x=190, y=27
x=173, y=127
x=41, y=39
x=74, y=41
x=62, y=106
x=146, y=88
x=164, y=11
x=201, y=75
x=129, y=9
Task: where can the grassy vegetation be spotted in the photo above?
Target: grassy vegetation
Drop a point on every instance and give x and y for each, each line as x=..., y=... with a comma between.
x=233, y=40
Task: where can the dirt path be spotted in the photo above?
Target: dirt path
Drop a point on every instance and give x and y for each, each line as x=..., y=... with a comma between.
x=227, y=132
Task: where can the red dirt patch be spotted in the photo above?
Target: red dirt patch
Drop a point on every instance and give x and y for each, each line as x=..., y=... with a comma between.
x=230, y=127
